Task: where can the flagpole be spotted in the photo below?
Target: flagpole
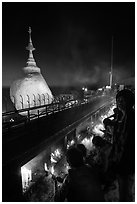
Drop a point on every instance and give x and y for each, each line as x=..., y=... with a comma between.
x=111, y=70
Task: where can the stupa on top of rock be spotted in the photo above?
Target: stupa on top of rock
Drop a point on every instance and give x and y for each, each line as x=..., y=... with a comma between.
x=31, y=90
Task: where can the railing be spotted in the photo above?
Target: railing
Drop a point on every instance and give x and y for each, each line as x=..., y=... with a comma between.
x=18, y=117
x=14, y=118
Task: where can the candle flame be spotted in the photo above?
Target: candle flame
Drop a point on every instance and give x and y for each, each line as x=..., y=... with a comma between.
x=57, y=153
x=55, y=156
x=53, y=160
x=97, y=129
x=88, y=143
x=72, y=142
x=52, y=170
x=45, y=167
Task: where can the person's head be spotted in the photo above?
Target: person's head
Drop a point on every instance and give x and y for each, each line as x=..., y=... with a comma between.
x=115, y=110
x=125, y=100
x=83, y=149
x=98, y=141
x=117, y=113
x=74, y=157
x=107, y=122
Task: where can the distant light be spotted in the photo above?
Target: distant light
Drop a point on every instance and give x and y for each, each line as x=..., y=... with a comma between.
x=83, y=88
x=99, y=89
x=108, y=87
x=86, y=89
x=11, y=120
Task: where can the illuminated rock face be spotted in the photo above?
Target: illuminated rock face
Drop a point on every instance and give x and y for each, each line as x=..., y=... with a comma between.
x=32, y=90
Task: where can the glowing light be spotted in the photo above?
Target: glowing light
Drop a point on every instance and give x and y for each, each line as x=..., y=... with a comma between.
x=26, y=177
x=86, y=89
x=72, y=142
x=45, y=167
x=99, y=89
x=88, y=143
x=55, y=156
x=67, y=167
x=108, y=87
x=11, y=120
x=52, y=170
x=97, y=129
x=71, y=103
x=110, y=112
x=57, y=153
x=53, y=160
x=103, y=117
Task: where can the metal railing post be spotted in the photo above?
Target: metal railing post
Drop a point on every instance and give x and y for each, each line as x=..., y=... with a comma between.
x=28, y=115
x=53, y=106
x=38, y=114
x=46, y=110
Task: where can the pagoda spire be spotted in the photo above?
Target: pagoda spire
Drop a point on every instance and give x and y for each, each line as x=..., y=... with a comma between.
x=30, y=48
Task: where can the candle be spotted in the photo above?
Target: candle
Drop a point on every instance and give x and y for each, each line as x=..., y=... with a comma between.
x=52, y=170
x=57, y=153
x=72, y=142
x=45, y=167
x=53, y=160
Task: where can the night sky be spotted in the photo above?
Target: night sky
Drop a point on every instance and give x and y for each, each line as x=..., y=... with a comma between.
x=72, y=41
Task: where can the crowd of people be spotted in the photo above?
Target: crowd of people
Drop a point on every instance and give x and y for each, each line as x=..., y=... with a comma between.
x=90, y=176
